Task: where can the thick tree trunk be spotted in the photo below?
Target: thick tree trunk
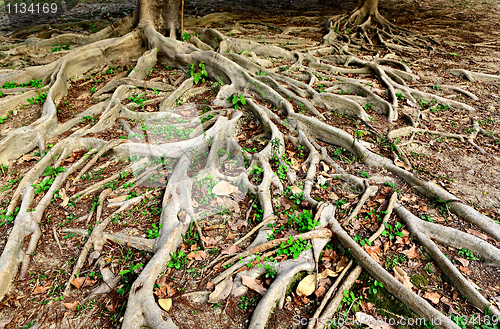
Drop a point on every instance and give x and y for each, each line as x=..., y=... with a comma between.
x=365, y=9
x=163, y=14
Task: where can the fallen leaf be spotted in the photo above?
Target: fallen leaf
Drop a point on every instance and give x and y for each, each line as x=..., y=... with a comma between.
x=402, y=277
x=93, y=256
x=118, y=199
x=221, y=291
x=296, y=190
x=64, y=197
x=4, y=322
x=478, y=234
x=252, y=284
x=464, y=261
x=341, y=264
x=71, y=306
x=320, y=292
x=326, y=273
x=295, y=164
x=78, y=282
x=197, y=255
x=307, y=285
x=466, y=270
x=39, y=290
x=209, y=241
x=229, y=249
x=371, y=322
x=432, y=296
x=374, y=252
x=237, y=225
x=28, y=157
x=165, y=303
x=222, y=188
x=411, y=253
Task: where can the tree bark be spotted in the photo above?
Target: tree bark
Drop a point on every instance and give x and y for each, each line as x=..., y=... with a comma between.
x=163, y=14
x=365, y=9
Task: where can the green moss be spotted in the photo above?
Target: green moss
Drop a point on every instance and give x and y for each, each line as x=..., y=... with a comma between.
x=419, y=280
x=386, y=304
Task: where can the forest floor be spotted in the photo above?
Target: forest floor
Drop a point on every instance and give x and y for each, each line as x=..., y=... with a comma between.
x=467, y=30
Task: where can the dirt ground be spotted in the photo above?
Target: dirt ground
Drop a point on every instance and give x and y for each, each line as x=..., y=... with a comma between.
x=467, y=31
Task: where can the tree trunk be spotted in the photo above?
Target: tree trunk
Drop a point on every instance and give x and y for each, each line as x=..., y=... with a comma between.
x=163, y=14
x=365, y=8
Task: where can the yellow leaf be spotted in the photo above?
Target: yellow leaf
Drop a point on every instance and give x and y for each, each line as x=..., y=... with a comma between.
x=307, y=286
x=165, y=303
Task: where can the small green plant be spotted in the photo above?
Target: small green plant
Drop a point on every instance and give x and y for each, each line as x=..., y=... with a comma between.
x=374, y=287
x=44, y=185
x=128, y=277
x=275, y=147
x=392, y=231
x=89, y=119
x=154, y=232
x=271, y=272
x=467, y=254
x=364, y=174
x=436, y=87
x=38, y=99
x=390, y=184
x=55, y=48
x=247, y=302
x=305, y=222
x=395, y=260
x=140, y=100
x=293, y=248
x=237, y=100
x=321, y=88
x=93, y=28
x=198, y=75
x=178, y=260
x=185, y=36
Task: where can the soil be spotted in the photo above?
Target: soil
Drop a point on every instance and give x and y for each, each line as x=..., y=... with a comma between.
x=467, y=30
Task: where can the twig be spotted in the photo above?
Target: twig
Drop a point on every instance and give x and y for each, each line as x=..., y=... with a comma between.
x=57, y=239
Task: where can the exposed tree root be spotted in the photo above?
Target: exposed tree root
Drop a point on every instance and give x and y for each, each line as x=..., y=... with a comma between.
x=275, y=101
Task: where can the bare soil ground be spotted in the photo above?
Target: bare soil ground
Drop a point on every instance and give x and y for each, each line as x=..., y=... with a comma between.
x=467, y=30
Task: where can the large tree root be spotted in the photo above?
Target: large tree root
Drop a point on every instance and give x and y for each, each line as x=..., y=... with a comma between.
x=275, y=101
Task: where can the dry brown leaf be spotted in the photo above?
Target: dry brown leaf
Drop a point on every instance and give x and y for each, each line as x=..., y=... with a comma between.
x=165, y=303
x=411, y=253
x=296, y=190
x=39, y=290
x=118, y=199
x=326, y=273
x=341, y=264
x=28, y=157
x=374, y=252
x=222, y=188
x=221, y=291
x=209, y=241
x=320, y=292
x=432, y=296
x=371, y=322
x=4, y=322
x=295, y=164
x=197, y=255
x=464, y=261
x=466, y=270
x=402, y=277
x=93, y=256
x=307, y=285
x=229, y=249
x=238, y=224
x=210, y=286
x=252, y=284
x=64, y=197
x=78, y=282
x=71, y=306
x=478, y=234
